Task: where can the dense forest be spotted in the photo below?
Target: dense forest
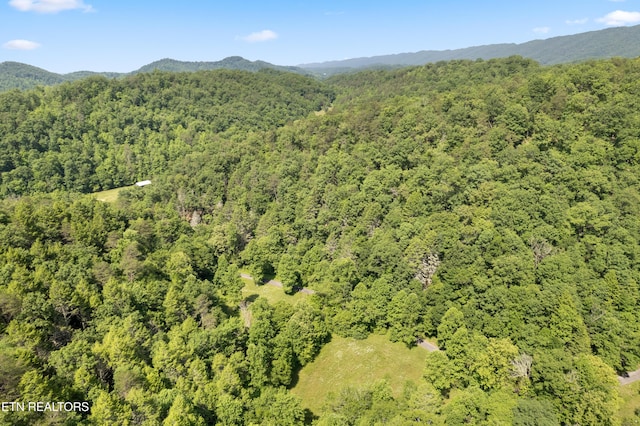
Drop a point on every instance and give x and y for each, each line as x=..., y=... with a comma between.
x=491, y=205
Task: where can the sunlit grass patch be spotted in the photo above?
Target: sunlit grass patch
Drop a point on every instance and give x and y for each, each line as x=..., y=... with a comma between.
x=272, y=293
x=110, y=195
x=358, y=363
x=630, y=395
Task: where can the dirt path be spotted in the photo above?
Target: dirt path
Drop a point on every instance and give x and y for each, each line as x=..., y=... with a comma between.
x=633, y=376
x=427, y=345
x=279, y=284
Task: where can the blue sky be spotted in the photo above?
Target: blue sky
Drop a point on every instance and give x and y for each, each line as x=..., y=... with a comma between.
x=117, y=35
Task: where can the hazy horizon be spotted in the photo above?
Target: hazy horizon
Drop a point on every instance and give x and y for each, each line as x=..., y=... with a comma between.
x=96, y=35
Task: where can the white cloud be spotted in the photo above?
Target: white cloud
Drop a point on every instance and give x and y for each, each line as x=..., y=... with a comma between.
x=264, y=35
x=541, y=30
x=620, y=17
x=21, y=45
x=577, y=21
x=49, y=6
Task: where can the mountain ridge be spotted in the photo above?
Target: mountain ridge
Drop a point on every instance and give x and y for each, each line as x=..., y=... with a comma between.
x=599, y=44
x=230, y=62
x=17, y=75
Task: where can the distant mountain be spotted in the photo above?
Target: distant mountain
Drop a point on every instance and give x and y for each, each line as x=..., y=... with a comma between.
x=611, y=42
x=607, y=43
x=22, y=76
x=77, y=75
x=232, y=63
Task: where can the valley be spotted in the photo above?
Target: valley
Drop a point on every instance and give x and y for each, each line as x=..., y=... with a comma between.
x=300, y=234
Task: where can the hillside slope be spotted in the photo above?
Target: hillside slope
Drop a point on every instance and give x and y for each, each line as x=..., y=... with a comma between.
x=492, y=205
x=15, y=75
x=607, y=43
x=230, y=63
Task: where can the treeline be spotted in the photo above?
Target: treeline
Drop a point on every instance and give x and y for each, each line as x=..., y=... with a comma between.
x=493, y=205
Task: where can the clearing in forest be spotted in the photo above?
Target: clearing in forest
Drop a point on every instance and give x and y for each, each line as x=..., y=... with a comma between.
x=358, y=363
x=110, y=195
x=630, y=403
x=272, y=293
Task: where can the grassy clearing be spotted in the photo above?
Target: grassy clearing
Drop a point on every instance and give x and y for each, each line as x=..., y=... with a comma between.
x=110, y=195
x=272, y=293
x=630, y=395
x=358, y=363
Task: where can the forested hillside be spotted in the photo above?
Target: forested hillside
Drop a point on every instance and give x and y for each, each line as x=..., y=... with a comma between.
x=230, y=63
x=14, y=75
x=491, y=205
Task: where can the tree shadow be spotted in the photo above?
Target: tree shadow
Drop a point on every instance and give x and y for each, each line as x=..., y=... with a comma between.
x=268, y=276
x=295, y=371
x=251, y=298
x=295, y=376
x=309, y=417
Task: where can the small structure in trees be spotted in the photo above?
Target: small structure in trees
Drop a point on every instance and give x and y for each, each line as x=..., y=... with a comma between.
x=143, y=183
